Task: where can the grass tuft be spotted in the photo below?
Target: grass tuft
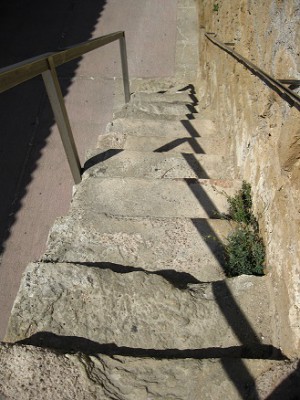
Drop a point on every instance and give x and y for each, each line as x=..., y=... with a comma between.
x=244, y=251
x=240, y=205
x=216, y=7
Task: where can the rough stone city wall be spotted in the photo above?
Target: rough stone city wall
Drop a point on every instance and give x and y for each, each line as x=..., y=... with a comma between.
x=263, y=128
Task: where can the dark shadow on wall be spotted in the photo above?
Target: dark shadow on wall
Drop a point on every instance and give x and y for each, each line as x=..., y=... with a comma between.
x=29, y=28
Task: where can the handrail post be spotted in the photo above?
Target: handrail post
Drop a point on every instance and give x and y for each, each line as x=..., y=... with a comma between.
x=123, y=52
x=61, y=117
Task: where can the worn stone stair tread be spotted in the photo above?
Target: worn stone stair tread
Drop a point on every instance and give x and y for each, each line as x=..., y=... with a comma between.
x=178, y=97
x=151, y=85
x=161, y=107
x=191, y=248
x=155, y=87
x=34, y=373
x=147, y=114
x=208, y=144
x=185, y=128
x=169, y=198
x=163, y=103
x=128, y=163
x=145, y=311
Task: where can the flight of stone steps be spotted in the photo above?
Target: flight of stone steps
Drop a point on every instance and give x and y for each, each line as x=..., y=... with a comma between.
x=130, y=300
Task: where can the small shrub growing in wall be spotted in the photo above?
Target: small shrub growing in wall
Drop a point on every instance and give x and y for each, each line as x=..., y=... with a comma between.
x=245, y=251
x=240, y=205
x=216, y=7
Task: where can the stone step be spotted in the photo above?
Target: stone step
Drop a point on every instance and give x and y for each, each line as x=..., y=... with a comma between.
x=148, y=113
x=168, y=86
x=161, y=103
x=136, y=197
x=208, y=144
x=150, y=85
x=177, y=97
x=185, y=128
x=190, y=249
x=161, y=107
x=138, y=164
x=145, y=311
x=90, y=374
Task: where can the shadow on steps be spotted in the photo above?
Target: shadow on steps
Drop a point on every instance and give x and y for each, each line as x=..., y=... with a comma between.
x=180, y=280
x=74, y=344
x=189, y=128
x=177, y=142
x=91, y=162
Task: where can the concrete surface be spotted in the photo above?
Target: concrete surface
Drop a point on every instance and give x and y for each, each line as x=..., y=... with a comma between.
x=138, y=197
x=132, y=112
x=160, y=107
x=35, y=178
x=203, y=145
x=191, y=248
x=118, y=377
x=184, y=97
x=156, y=165
x=183, y=128
x=140, y=310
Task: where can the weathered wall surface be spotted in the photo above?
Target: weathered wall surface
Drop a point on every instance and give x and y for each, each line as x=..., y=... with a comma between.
x=264, y=130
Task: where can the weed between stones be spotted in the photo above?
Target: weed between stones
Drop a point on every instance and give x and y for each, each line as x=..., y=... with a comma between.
x=216, y=7
x=244, y=251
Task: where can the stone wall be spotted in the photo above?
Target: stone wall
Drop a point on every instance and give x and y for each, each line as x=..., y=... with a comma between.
x=264, y=130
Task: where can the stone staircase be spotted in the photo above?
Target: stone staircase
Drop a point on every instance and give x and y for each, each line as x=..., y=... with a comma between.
x=130, y=300
x=131, y=296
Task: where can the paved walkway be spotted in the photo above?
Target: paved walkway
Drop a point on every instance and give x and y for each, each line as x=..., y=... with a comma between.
x=35, y=179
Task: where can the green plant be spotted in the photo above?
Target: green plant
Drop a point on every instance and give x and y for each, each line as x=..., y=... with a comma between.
x=216, y=7
x=240, y=205
x=244, y=251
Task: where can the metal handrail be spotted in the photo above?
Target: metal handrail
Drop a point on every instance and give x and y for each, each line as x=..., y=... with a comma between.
x=276, y=84
x=45, y=65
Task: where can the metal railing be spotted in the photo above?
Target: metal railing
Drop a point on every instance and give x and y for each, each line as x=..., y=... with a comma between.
x=275, y=84
x=45, y=65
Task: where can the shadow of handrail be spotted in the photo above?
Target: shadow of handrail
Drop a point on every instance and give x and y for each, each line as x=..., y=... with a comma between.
x=189, y=128
x=229, y=357
x=233, y=314
x=74, y=344
x=178, y=142
x=98, y=158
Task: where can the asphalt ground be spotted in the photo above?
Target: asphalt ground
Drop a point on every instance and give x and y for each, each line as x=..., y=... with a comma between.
x=36, y=184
